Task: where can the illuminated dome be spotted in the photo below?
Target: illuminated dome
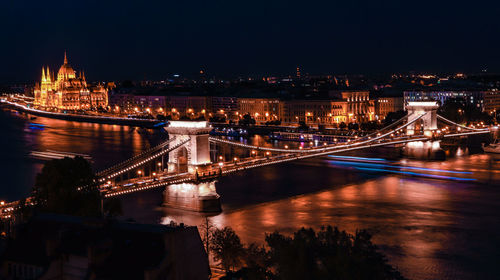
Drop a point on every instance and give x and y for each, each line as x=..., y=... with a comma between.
x=66, y=71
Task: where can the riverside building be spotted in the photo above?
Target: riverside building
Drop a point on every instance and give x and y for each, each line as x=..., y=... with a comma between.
x=66, y=91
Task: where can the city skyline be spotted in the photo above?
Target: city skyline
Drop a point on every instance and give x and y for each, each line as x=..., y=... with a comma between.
x=249, y=139
x=247, y=39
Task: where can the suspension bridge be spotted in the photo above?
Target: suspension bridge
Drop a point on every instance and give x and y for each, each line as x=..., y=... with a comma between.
x=187, y=164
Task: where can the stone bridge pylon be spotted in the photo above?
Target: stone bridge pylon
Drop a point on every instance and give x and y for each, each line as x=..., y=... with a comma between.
x=428, y=122
x=427, y=112
x=192, y=156
x=196, y=152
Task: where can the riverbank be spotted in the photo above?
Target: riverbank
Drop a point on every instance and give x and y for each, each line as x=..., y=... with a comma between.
x=147, y=123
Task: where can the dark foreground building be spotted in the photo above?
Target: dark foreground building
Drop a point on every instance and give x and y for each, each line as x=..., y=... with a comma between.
x=66, y=247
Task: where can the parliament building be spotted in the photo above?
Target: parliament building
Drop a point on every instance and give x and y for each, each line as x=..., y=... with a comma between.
x=68, y=92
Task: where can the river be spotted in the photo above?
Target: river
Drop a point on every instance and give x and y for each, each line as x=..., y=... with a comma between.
x=428, y=228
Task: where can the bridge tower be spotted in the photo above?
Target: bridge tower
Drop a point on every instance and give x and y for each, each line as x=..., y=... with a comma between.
x=428, y=121
x=196, y=152
x=192, y=156
x=423, y=149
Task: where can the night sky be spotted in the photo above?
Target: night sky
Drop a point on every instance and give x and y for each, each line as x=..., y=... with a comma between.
x=116, y=40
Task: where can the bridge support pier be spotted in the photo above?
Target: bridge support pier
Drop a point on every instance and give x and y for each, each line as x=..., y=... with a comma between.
x=200, y=197
x=427, y=150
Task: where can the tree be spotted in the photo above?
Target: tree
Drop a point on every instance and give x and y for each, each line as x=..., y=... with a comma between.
x=394, y=116
x=326, y=254
x=329, y=254
x=459, y=111
x=67, y=186
x=368, y=126
x=353, y=126
x=227, y=248
x=247, y=120
x=342, y=126
x=453, y=109
x=218, y=119
x=207, y=229
x=256, y=263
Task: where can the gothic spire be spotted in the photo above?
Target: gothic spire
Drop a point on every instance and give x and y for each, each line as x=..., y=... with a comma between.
x=48, y=74
x=65, y=58
x=43, y=75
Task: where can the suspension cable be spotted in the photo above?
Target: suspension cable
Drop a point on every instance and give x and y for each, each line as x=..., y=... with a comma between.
x=213, y=139
x=149, y=158
x=459, y=125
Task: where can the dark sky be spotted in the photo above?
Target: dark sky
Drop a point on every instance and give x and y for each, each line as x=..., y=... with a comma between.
x=152, y=39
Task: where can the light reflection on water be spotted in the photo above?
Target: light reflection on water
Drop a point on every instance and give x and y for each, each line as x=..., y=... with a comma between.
x=430, y=229
x=423, y=226
x=107, y=144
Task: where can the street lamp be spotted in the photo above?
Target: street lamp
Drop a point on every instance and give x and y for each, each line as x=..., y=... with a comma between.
x=139, y=172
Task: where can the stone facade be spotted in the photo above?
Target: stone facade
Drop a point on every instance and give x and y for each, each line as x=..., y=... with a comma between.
x=68, y=92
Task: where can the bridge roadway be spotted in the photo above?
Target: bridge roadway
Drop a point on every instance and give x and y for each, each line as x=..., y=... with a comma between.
x=220, y=169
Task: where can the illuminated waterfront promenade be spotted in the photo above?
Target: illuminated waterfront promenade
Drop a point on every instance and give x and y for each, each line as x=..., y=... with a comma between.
x=82, y=118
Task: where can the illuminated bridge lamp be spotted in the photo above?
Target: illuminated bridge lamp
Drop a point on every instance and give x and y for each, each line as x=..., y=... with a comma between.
x=221, y=158
x=139, y=172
